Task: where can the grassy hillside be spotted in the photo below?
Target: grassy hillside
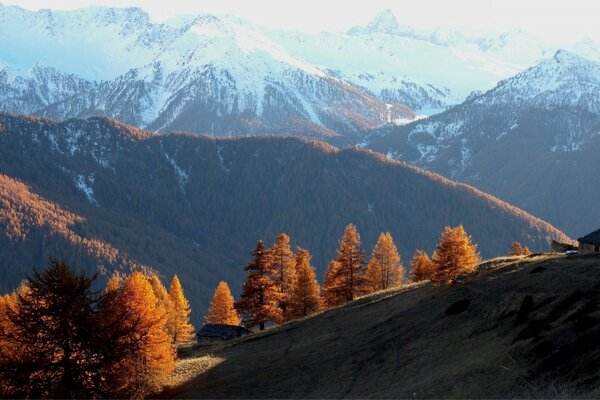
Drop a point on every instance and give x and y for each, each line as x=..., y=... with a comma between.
x=524, y=328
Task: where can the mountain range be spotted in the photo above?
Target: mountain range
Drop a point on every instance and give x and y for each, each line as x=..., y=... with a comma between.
x=224, y=76
x=532, y=140
x=104, y=195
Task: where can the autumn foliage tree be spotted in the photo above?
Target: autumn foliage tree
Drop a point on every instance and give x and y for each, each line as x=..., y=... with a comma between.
x=165, y=300
x=183, y=330
x=304, y=298
x=333, y=293
x=455, y=255
x=221, y=310
x=140, y=318
x=385, y=269
x=517, y=249
x=344, y=280
x=260, y=299
x=49, y=325
x=281, y=264
x=421, y=267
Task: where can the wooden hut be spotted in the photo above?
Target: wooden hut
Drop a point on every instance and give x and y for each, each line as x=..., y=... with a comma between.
x=590, y=243
x=215, y=333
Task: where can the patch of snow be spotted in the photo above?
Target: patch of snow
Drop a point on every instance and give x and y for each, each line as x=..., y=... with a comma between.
x=84, y=184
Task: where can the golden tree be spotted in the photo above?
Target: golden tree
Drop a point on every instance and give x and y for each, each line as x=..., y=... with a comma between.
x=346, y=278
x=183, y=330
x=260, y=299
x=333, y=293
x=304, y=296
x=163, y=297
x=148, y=355
x=221, y=310
x=421, y=267
x=281, y=264
x=455, y=255
x=385, y=269
x=517, y=249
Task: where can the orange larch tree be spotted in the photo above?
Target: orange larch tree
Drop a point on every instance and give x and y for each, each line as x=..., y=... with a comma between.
x=260, y=299
x=385, y=269
x=163, y=297
x=333, y=293
x=221, y=310
x=455, y=255
x=421, y=267
x=183, y=330
x=305, y=296
x=144, y=370
x=346, y=279
x=516, y=249
x=281, y=263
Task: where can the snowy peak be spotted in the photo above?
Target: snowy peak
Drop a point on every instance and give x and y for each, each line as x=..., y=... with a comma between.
x=565, y=79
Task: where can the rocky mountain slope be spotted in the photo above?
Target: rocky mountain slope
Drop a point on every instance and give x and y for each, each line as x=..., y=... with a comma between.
x=196, y=205
x=225, y=76
x=532, y=141
x=210, y=75
x=525, y=330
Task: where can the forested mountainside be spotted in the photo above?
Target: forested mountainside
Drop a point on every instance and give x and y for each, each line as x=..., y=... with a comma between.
x=532, y=141
x=196, y=205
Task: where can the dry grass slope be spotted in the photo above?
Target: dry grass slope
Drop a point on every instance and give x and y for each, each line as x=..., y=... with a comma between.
x=526, y=328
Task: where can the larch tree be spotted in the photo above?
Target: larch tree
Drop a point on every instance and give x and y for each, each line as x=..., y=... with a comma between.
x=385, y=269
x=221, y=310
x=516, y=249
x=455, y=255
x=261, y=298
x=333, y=293
x=349, y=276
x=163, y=297
x=281, y=263
x=305, y=298
x=183, y=330
x=50, y=323
x=421, y=267
x=149, y=355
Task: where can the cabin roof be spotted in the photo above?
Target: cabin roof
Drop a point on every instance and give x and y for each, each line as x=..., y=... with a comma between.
x=592, y=238
x=222, y=331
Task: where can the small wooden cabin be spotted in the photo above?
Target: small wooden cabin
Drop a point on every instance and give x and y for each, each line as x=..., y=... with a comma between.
x=215, y=333
x=590, y=243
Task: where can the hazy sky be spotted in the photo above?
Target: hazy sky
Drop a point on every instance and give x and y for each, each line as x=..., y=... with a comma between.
x=557, y=21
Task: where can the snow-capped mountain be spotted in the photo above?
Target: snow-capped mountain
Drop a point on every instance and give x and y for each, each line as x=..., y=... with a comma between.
x=223, y=76
x=533, y=140
x=206, y=75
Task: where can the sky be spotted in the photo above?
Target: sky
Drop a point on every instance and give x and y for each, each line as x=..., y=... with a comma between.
x=555, y=21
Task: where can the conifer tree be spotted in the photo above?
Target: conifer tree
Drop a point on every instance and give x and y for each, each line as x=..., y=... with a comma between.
x=526, y=251
x=221, y=310
x=50, y=325
x=385, y=269
x=349, y=275
x=304, y=296
x=142, y=321
x=421, y=267
x=455, y=255
x=516, y=249
x=333, y=293
x=183, y=330
x=260, y=299
x=163, y=297
x=281, y=263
